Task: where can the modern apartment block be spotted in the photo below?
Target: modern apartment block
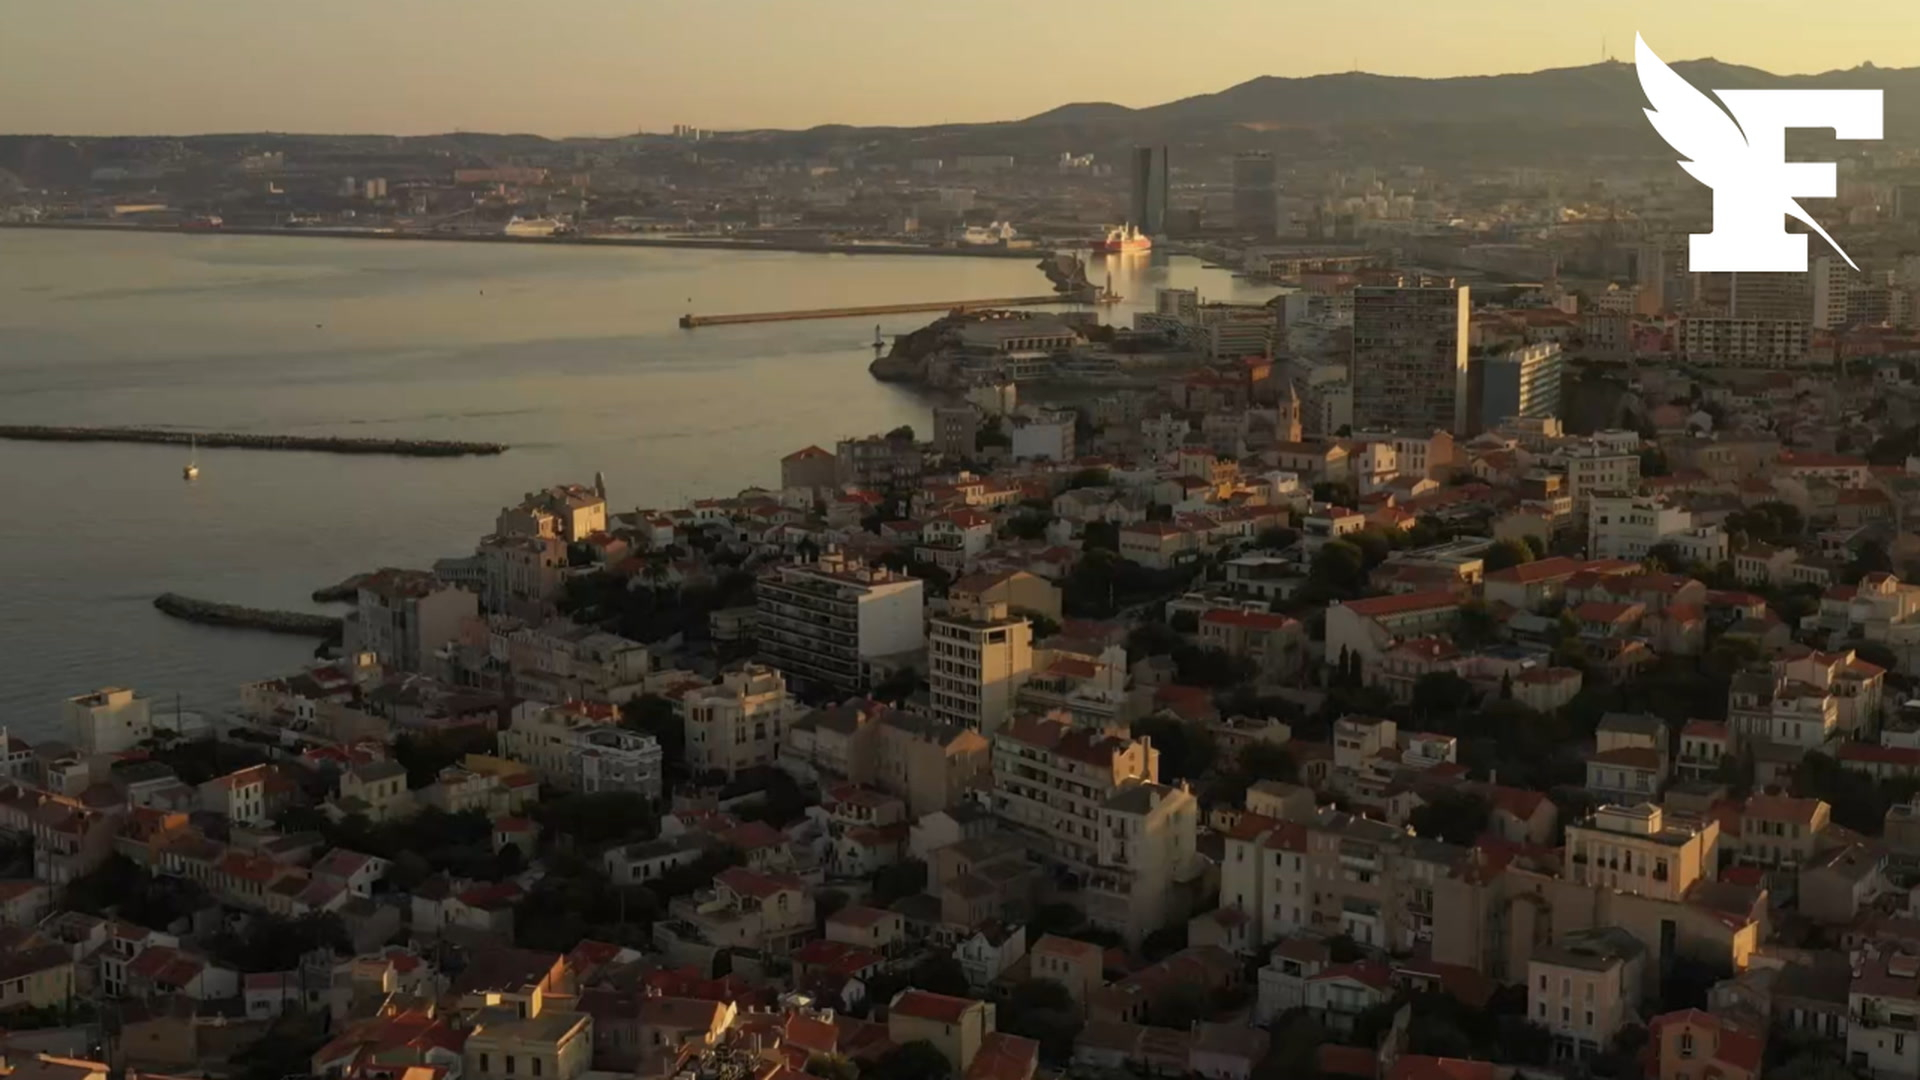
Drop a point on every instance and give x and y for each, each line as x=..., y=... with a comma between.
x=405, y=616
x=1090, y=801
x=978, y=657
x=1745, y=342
x=109, y=721
x=824, y=623
x=1410, y=357
x=1522, y=383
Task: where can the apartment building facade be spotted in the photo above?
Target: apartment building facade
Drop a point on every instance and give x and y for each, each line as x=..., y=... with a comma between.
x=739, y=722
x=978, y=658
x=825, y=623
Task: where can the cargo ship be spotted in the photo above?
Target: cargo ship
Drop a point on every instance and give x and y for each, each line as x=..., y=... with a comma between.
x=1121, y=239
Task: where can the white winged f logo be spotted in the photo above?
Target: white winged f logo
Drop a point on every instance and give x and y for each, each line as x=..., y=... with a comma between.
x=1743, y=158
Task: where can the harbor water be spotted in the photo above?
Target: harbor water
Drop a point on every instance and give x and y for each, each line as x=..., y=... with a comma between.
x=571, y=355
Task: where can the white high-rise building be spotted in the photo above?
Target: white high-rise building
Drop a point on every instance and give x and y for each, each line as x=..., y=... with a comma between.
x=1832, y=280
x=826, y=622
x=111, y=720
x=977, y=660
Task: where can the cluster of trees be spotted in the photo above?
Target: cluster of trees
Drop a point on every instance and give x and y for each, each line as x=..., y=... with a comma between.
x=120, y=888
x=1339, y=569
x=1859, y=801
x=651, y=714
x=655, y=611
x=1443, y=1026
x=1043, y=1010
x=1102, y=583
x=273, y=943
x=201, y=760
x=424, y=755
x=1194, y=665
x=1771, y=522
x=1456, y=817
x=1065, y=920
x=429, y=841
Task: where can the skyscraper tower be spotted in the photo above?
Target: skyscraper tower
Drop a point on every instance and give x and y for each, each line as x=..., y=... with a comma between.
x=1148, y=209
x=1256, y=193
x=1409, y=369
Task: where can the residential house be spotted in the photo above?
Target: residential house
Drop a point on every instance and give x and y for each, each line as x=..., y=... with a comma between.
x=1338, y=993
x=1883, y=1015
x=990, y=952
x=1694, y=1045
x=1077, y=965
x=957, y=1027
x=1584, y=989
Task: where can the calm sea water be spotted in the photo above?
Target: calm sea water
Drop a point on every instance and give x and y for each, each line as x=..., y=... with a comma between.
x=570, y=355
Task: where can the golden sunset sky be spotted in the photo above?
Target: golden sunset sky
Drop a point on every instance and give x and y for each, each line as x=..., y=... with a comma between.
x=559, y=67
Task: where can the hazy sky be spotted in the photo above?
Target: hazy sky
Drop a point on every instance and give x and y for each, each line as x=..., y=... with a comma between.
x=610, y=66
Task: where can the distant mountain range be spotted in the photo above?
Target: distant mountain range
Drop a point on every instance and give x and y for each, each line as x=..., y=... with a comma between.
x=1606, y=93
x=1556, y=116
x=1588, y=111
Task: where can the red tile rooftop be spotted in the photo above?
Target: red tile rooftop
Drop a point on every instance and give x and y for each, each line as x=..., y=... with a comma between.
x=760, y=886
x=1252, y=620
x=1402, y=604
x=924, y=1005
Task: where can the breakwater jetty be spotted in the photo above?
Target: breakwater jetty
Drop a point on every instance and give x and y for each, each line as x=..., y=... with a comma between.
x=689, y=321
x=325, y=444
x=813, y=246
x=208, y=613
x=342, y=593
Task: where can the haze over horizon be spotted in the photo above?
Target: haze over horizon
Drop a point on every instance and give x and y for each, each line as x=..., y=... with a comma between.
x=603, y=67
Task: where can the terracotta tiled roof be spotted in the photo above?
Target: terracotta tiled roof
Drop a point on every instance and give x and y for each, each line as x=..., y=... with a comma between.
x=926, y=1005
x=1402, y=604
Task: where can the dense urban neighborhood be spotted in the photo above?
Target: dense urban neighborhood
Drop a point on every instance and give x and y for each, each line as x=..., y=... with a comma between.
x=1197, y=736
x=1488, y=654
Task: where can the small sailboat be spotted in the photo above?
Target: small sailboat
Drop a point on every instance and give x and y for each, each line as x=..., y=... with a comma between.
x=878, y=341
x=192, y=471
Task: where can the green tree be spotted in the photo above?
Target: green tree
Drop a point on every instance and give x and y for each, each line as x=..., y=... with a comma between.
x=917, y=1060
x=1100, y=535
x=1507, y=553
x=1274, y=538
x=1044, y=1011
x=1186, y=750
x=1374, y=544
x=1456, y=817
x=907, y=877
x=833, y=1067
x=1339, y=568
x=1265, y=761
x=1028, y=526
x=1044, y=626
x=423, y=756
